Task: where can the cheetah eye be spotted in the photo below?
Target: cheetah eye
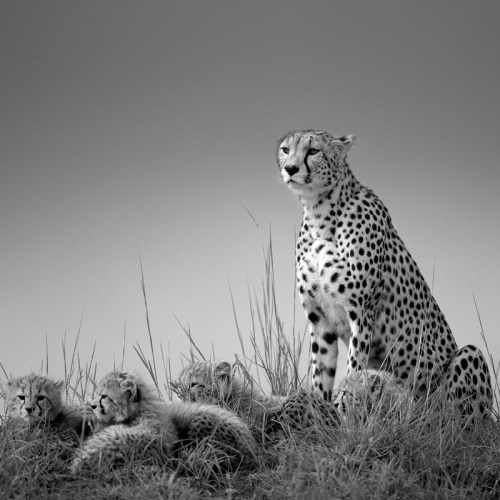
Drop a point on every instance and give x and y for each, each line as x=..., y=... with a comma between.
x=285, y=150
x=22, y=398
x=40, y=398
x=312, y=152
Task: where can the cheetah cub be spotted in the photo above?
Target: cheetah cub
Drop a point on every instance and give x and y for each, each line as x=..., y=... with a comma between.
x=357, y=396
x=219, y=384
x=358, y=282
x=132, y=421
x=36, y=402
x=372, y=392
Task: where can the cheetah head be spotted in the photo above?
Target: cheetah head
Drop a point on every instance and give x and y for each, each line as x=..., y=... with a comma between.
x=117, y=398
x=206, y=382
x=34, y=398
x=311, y=161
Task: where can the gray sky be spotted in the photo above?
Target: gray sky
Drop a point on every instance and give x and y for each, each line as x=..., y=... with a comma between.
x=145, y=128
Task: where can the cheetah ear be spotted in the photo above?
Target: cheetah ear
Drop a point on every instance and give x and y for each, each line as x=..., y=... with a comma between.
x=344, y=144
x=223, y=370
x=58, y=386
x=14, y=382
x=345, y=141
x=129, y=386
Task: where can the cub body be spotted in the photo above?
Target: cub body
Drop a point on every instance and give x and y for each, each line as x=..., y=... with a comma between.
x=132, y=421
x=217, y=383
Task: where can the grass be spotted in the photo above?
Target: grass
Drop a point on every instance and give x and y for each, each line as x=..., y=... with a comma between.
x=423, y=455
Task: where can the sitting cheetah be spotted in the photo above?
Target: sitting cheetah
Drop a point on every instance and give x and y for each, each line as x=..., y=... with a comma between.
x=133, y=421
x=35, y=402
x=217, y=383
x=358, y=282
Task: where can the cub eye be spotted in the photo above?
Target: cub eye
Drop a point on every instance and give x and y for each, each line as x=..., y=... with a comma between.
x=285, y=150
x=312, y=151
x=104, y=397
x=40, y=398
x=22, y=398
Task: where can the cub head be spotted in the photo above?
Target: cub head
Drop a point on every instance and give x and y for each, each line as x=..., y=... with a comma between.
x=311, y=161
x=205, y=381
x=371, y=391
x=117, y=398
x=34, y=398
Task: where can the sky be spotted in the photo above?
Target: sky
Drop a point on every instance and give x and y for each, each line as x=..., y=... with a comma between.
x=145, y=132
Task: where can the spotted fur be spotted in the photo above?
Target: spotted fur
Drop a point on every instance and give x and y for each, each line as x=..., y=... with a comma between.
x=358, y=282
x=372, y=392
x=218, y=383
x=132, y=422
x=36, y=401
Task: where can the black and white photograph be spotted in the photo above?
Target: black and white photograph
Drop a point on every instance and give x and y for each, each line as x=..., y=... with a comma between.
x=248, y=249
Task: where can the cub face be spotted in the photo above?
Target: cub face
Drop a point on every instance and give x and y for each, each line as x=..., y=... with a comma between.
x=310, y=160
x=371, y=390
x=115, y=398
x=205, y=382
x=34, y=398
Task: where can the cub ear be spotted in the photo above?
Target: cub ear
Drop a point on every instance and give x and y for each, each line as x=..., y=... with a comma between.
x=58, y=386
x=14, y=382
x=223, y=370
x=129, y=386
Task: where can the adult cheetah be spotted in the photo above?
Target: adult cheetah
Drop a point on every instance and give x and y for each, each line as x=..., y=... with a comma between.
x=358, y=282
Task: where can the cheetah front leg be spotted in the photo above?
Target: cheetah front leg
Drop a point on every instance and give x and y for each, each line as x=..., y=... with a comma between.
x=359, y=341
x=91, y=453
x=350, y=325
x=324, y=351
x=111, y=444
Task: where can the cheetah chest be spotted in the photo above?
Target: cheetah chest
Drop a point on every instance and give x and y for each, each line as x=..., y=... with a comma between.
x=317, y=277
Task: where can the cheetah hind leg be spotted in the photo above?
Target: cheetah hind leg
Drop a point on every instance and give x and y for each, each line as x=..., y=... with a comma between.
x=467, y=382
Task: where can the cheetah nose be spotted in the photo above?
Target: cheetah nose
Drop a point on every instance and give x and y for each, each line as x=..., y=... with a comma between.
x=93, y=406
x=291, y=170
x=29, y=410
